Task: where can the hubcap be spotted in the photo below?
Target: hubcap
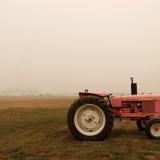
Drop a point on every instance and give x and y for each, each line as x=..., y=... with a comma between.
x=155, y=130
x=89, y=119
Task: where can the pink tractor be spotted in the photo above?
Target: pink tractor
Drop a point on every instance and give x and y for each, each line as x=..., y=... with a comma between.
x=91, y=117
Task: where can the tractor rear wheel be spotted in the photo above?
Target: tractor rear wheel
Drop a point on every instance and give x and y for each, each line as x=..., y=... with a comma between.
x=90, y=119
x=140, y=124
x=152, y=129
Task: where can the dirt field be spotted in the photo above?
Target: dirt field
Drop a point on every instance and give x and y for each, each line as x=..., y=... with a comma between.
x=34, y=128
x=35, y=102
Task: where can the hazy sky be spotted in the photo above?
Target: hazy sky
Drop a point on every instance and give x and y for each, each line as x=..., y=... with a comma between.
x=63, y=46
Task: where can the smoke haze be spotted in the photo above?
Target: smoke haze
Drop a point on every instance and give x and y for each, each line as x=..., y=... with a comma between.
x=62, y=47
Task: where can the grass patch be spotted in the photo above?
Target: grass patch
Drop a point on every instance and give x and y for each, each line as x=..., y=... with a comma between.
x=42, y=134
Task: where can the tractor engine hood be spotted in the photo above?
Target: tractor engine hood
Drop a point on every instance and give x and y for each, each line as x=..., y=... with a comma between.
x=141, y=97
x=117, y=100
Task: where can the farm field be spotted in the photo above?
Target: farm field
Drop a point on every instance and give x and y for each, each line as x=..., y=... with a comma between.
x=34, y=128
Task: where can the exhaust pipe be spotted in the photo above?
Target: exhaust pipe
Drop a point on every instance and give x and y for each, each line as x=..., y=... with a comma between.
x=133, y=87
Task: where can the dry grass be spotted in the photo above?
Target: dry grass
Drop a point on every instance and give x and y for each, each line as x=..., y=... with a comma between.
x=35, y=102
x=39, y=132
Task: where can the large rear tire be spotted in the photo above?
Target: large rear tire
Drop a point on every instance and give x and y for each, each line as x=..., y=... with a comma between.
x=140, y=125
x=90, y=119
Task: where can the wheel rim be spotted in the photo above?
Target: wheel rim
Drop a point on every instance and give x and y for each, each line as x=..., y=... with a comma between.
x=155, y=130
x=89, y=120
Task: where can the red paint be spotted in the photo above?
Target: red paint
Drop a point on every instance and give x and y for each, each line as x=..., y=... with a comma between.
x=100, y=94
x=126, y=107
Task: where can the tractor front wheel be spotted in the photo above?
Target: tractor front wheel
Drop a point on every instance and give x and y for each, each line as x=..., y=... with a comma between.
x=90, y=119
x=152, y=129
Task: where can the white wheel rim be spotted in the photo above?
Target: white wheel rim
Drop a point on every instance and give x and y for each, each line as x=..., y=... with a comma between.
x=89, y=120
x=155, y=130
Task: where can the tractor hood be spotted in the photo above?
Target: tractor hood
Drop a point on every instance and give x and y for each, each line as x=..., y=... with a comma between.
x=141, y=97
x=117, y=100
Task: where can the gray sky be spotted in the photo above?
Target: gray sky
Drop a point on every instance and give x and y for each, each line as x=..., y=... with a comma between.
x=63, y=46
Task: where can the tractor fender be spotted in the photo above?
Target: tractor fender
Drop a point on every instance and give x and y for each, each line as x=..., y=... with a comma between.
x=100, y=95
x=154, y=118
